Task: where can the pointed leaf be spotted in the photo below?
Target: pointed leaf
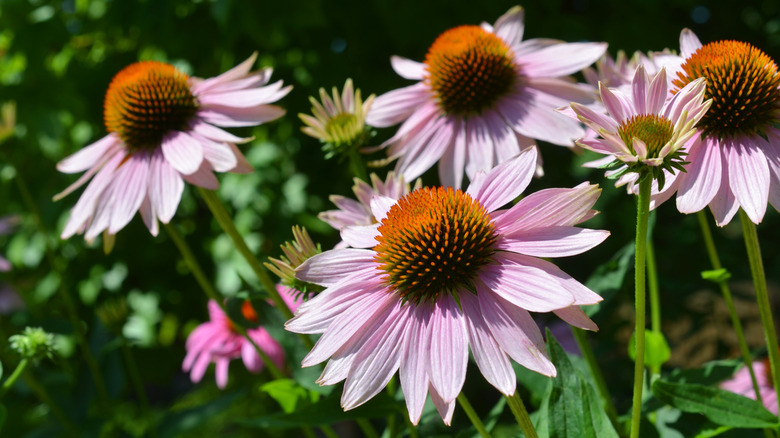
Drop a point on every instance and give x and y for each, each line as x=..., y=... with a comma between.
x=575, y=409
x=719, y=406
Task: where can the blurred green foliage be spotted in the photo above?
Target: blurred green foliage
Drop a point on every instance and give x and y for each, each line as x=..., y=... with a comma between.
x=56, y=60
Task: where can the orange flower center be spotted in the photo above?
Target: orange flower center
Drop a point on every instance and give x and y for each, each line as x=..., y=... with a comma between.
x=654, y=131
x=469, y=69
x=433, y=241
x=145, y=101
x=742, y=82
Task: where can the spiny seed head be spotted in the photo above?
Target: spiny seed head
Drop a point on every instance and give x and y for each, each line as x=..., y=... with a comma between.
x=655, y=131
x=434, y=241
x=145, y=101
x=742, y=82
x=469, y=69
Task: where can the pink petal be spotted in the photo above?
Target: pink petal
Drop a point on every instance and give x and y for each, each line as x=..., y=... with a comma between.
x=221, y=372
x=689, y=43
x=88, y=156
x=448, y=354
x=165, y=187
x=657, y=93
x=493, y=363
x=234, y=73
x=380, y=206
x=700, y=184
x=549, y=207
x=416, y=160
x=408, y=69
x=412, y=374
x=575, y=316
x=509, y=27
x=203, y=177
x=515, y=331
x=183, y=152
x=532, y=114
x=561, y=59
x=395, y=106
x=639, y=88
x=524, y=286
x=129, y=190
x=445, y=409
x=229, y=117
x=723, y=205
x=558, y=241
x=377, y=360
x=453, y=160
x=244, y=98
x=329, y=267
x=219, y=155
x=505, y=182
x=749, y=176
x=360, y=236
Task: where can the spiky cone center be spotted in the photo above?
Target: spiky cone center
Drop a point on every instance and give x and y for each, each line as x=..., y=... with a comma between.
x=469, y=70
x=655, y=132
x=742, y=82
x=434, y=241
x=147, y=100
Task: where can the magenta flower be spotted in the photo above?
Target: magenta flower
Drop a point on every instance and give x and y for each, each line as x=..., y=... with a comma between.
x=735, y=162
x=483, y=95
x=163, y=130
x=218, y=341
x=643, y=131
x=741, y=384
x=444, y=271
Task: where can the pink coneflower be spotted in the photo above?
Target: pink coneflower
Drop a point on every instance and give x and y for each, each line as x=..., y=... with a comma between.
x=358, y=211
x=163, y=131
x=444, y=271
x=218, y=341
x=735, y=162
x=643, y=132
x=742, y=384
x=483, y=95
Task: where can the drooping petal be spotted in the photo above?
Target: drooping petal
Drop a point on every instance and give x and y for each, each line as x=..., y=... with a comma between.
x=360, y=236
x=749, y=177
x=396, y=106
x=88, y=156
x=561, y=59
x=183, y=152
x=558, y=241
x=515, y=331
x=703, y=179
x=493, y=363
x=129, y=190
x=524, y=286
x=448, y=354
x=412, y=372
x=165, y=187
x=549, y=207
x=575, y=316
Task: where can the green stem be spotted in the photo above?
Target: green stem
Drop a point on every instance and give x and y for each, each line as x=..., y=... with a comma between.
x=70, y=306
x=392, y=425
x=475, y=420
x=356, y=164
x=9, y=382
x=762, y=296
x=642, y=213
x=587, y=353
x=226, y=222
x=655, y=306
x=521, y=415
x=712, y=252
x=367, y=428
x=205, y=284
x=138, y=384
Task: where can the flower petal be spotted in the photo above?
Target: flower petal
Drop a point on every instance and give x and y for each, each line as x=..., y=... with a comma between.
x=524, y=286
x=505, y=182
x=328, y=268
x=560, y=59
x=183, y=152
x=449, y=353
x=558, y=241
x=398, y=105
x=408, y=69
x=749, y=176
x=699, y=185
x=88, y=156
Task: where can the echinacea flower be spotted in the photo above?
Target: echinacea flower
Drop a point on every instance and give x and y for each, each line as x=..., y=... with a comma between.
x=163, y=130
x=735, y=162
x=742, y=384
x=338, y=122
x=619, y=72
x=444, y=271
x=643, y=132
x=219, y=342
x=358, y=211
x=483, y=95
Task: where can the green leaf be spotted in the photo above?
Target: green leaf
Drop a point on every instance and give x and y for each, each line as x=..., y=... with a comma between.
x=575, y=408
x=289, y=394
x=327, y=411
x=180, y=422
x=657, y=350
x=719, y=276
x=3, y=415
x=709, y=373
x=719, y=406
